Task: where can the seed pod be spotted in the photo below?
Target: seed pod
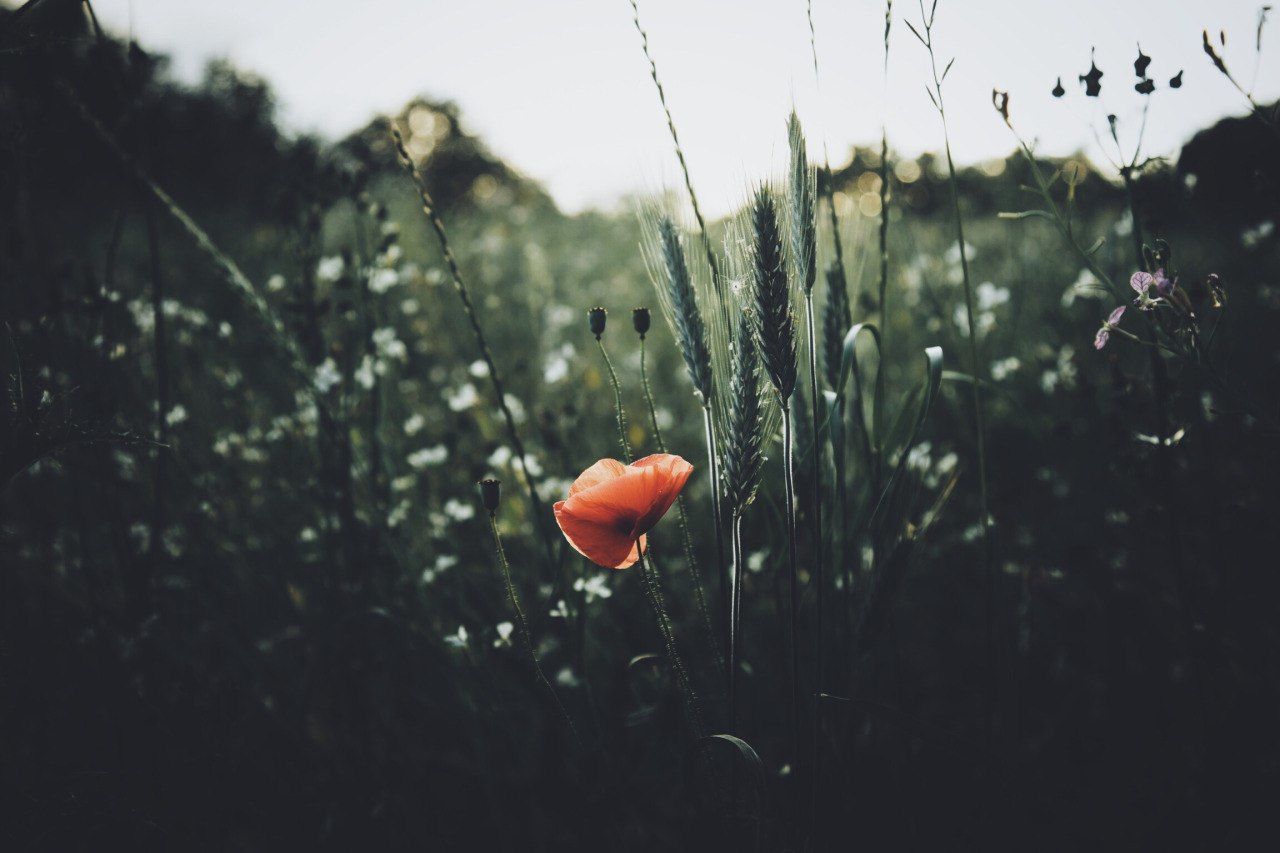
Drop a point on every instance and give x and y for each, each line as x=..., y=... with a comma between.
x=641, y=319
x=596, y=320
x=490, y=492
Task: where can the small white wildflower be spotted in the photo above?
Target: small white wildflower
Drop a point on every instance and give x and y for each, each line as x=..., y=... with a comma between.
x=556, y=369
x=478, y=369
x=389, y=346
x=459, y=510
x=382, y=280
x=594, y=587
x=991, y=296
x=275, y=284
x=414, y=424
x=516, y=407
x=398, y=514
x=224, y=329
x=918, y=457
x=457, y=640
x=327, y=376
x=560, y=611
x=464, y=398
x=307, y=534
x=420, y=459
x=504, y=630
x=559, y=316
x=403, y=484
x=1004, y=368
x=330, y=269
x=365, y=372
x=176, y=415
x=533, y=466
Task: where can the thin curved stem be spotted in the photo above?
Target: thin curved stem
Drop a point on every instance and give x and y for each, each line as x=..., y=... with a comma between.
x=522, y=625
x=649, y=581
x=619, y=411
x=460, y=286
x=675, y=139
x=975, y=386
x=690, y=560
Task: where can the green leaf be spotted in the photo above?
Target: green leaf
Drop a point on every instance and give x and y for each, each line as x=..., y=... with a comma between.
x=849, y=365
x=1025, y=214
x=933, y=381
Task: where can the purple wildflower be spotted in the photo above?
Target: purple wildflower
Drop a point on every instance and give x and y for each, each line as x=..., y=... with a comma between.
x=1151, y=288
x=1104, y=333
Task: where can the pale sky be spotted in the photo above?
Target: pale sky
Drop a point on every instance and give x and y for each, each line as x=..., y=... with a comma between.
x=560, y=88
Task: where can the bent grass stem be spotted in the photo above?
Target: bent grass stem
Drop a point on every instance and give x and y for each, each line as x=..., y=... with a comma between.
x=523, y=626
x=690, y=560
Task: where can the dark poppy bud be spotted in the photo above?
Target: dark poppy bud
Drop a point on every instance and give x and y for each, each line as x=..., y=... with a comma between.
x=595, y=320
x=1093, y=80
x=490, y=492
x=640, y=319
x=1058, y=91
x=1175, y=82
x=1145, y=87
x=1141, y=63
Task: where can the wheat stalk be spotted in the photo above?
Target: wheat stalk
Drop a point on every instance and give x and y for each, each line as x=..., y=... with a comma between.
x=775, y=335
x=744, y=460
x=665, y=257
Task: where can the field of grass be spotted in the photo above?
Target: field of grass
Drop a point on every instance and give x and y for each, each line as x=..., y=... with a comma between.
x=251, y=596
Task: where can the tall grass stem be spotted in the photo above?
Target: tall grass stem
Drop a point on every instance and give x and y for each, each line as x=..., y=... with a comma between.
x=495, y=378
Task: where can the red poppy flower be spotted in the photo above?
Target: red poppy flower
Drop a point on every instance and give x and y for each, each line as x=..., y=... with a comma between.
x=612, y=506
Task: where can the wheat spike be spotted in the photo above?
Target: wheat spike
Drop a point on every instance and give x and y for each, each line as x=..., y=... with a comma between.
x=775, y=327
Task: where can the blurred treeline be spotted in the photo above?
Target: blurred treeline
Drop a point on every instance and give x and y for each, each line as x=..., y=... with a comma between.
x=235, y=613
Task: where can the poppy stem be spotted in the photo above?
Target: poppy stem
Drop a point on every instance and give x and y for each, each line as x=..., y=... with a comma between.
x=649, y=580
x=619, y=411
x=523, y=626
x=690, y=559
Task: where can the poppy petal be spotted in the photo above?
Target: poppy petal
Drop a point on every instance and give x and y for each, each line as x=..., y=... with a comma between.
x=672, y=474
x=601, y=472
x=596, y=536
